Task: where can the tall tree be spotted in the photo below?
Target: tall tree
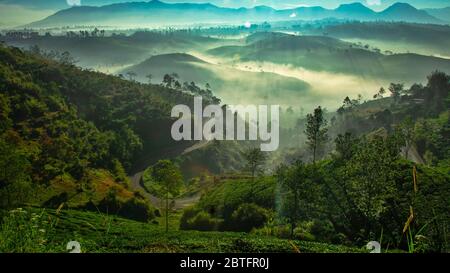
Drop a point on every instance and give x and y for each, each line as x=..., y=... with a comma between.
x=370, y=179
x=149, y=78
x=407, y=133
x=168, y=176
x=131, y=75
x=396, y=90
x=255, y=160
x=315, y=131
x=380, y=93
x=297, y=190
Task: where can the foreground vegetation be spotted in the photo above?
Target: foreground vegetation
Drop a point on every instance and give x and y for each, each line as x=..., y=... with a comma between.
x=38, y=230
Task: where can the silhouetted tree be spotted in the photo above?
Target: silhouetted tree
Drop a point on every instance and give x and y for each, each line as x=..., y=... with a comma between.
x=315, y=132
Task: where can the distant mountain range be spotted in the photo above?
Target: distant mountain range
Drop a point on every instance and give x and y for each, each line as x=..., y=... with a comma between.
x=442, y=14
x=157, y=13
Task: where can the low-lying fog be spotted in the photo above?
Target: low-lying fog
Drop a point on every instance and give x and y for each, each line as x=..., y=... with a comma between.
x=327, y=89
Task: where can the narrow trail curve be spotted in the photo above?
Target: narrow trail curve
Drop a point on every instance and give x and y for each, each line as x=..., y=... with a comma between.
x=180, y=203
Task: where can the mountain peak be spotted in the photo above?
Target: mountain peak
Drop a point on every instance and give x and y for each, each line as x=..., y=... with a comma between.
x=408, y=13
x=353, y=7
x=401, y=6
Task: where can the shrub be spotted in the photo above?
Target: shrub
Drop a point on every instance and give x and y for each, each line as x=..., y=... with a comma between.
x=301, y=234
x=323, y=231
x=188, y=214
x=240, y=245
x=157, y=213
x=193, y=219
x=247, y=217
x=137, y=209
x=133, y=208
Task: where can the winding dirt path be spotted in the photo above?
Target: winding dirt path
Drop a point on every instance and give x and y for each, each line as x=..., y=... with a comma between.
x=180, y=203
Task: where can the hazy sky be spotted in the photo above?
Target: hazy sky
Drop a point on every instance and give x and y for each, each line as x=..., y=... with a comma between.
x=376, y=4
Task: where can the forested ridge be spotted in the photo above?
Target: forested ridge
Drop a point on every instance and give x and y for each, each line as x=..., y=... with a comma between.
x=60, y=122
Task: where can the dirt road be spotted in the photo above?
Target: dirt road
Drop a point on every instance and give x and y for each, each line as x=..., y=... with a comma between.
x=180, y=203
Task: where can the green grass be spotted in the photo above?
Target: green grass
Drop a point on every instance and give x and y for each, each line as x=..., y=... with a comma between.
x=102, y=233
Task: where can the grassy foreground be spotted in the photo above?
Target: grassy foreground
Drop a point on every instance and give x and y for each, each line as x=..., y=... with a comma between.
x=100, y=233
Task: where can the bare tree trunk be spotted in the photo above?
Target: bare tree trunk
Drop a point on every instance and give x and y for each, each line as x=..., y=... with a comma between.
x=314, y=154
x=167, y=211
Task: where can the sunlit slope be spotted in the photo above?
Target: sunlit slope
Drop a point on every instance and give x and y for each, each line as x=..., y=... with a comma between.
x=328, y=54
x=232, y=85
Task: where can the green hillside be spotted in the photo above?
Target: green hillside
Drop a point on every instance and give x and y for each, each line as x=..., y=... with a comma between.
x=68, y=136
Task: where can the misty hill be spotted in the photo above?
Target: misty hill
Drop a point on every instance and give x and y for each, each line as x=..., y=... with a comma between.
x=355, y=11
x=442, y=14
x=94, y=51
x=232, y=85
x=321, y=53
x=405, y=12
x=411, y=35
x=157, y=13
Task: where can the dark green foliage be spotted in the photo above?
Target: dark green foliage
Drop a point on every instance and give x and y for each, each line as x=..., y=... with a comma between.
x=315, y=132
x=56, y=201
x=168, y=178
x=188, y=214
x=239, y=204
x=137, y=209
x=199, y=220
x=132, y=208
x=15, y=187
x=345, y=146
x=298, y=188
x=247, y=217
x=59, y=122
x=61, y=106
x=223, y=200
x=371, y=193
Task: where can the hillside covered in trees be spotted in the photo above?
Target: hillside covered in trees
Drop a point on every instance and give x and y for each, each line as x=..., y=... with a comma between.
x=69, y=136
